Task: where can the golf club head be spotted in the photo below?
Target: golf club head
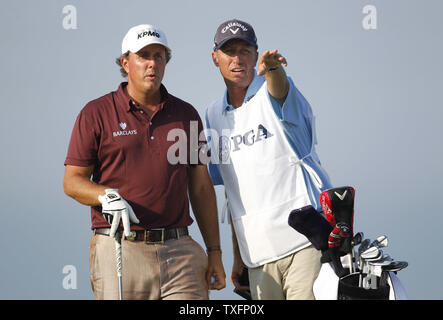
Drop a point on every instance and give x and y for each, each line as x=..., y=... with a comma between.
x=395, y=266
x=380, y=242
x=370, y=253
x=376, y=258
x=357, y=239
x=364, y=245
x=384, y=261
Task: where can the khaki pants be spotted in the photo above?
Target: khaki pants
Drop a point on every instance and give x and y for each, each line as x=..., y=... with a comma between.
x=174, y=270
x=290, y=278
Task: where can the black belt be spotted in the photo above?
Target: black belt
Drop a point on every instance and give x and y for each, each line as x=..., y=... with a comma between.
x=151, y=236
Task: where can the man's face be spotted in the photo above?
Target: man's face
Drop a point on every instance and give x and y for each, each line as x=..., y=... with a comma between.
x=236, y=60
x=146, y=68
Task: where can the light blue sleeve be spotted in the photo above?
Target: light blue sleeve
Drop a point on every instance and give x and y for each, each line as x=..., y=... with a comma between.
x=295, y=107
x=297, y=120
x=214, y=172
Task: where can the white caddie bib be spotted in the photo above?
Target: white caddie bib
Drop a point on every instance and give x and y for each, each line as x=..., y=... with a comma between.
x=262, y=176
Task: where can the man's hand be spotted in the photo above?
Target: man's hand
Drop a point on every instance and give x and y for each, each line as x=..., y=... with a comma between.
x=114, y=208
x=215, y=275
x=275, y=75
x=237, y=270
x=270, y=60
x=204, y=206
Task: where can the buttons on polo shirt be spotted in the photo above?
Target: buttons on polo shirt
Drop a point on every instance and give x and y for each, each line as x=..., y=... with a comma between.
x=152, y=137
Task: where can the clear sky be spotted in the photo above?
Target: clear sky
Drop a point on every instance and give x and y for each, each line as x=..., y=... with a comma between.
x=373, y=86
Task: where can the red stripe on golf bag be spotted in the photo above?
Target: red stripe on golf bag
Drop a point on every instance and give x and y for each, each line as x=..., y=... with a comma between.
x=325, y=203
x=334, y=238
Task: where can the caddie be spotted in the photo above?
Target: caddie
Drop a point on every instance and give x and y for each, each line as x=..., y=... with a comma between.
x=117, y=163
x=262, y=139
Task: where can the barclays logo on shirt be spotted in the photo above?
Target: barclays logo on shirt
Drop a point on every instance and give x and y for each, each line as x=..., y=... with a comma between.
x=123, y=132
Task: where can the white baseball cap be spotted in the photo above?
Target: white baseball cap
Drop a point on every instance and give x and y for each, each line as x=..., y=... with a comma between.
x=142, y=35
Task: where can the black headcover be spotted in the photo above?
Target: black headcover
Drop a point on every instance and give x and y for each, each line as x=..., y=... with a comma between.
x=338, y=206
x=317, y=229
x=312, y=225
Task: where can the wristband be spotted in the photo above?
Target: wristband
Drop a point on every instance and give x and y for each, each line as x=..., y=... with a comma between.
x=272, y=69
x=212, y=249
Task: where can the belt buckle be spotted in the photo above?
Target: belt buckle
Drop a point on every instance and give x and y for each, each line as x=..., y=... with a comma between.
x=154, y=242
x=132, y=236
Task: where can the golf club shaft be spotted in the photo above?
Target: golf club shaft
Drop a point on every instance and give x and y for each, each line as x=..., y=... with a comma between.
x=118, y=256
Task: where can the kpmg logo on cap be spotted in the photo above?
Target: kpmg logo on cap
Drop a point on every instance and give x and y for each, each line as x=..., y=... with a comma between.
x=232, y=25
x=148, y=33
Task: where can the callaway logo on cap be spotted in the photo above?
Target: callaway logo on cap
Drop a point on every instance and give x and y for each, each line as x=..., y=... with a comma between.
x=142, y=35
x=234, y=29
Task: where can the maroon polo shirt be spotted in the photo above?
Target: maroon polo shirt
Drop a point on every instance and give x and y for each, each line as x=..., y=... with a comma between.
x=129, y=152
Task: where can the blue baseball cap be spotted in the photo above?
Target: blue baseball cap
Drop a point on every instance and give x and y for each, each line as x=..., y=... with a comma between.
x=234, y=29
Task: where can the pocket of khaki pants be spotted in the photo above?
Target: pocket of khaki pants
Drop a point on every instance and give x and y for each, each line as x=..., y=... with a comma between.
x=92, y=259
x=201, y=259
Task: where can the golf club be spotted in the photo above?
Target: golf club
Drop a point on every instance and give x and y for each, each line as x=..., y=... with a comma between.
x=363, y=246
x=118, y=256
x=370, y=253
x=356, y=240
x=375, y=269
x=394, y=266
x=380, y=242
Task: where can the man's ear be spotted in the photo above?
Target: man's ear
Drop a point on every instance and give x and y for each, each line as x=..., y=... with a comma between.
x=215, y=58
x=124, y=62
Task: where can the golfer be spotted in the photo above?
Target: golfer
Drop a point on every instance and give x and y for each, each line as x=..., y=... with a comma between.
x=117, y=163
x=262, y=142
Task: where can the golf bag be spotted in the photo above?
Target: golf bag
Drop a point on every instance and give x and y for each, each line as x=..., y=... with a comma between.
x=328, y=286
x=333, y=235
